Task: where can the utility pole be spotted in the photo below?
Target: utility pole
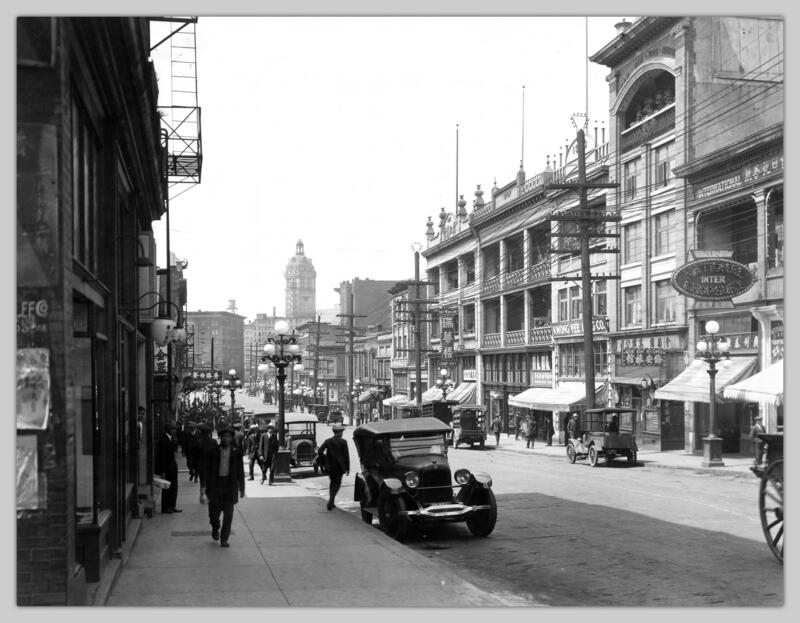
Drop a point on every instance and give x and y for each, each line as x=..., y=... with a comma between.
x=588, y=221
x=350, y=360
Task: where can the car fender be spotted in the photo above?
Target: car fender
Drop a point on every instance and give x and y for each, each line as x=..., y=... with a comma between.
x=482, y=480
x=393, y=485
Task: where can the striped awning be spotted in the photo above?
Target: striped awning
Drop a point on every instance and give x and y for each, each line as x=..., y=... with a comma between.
x=434, y=394
x=365, y=396
x=693, y=384
x=766, y=386
x=464, y=393
x=565, y=397
x=633, y=375
x=398, y=400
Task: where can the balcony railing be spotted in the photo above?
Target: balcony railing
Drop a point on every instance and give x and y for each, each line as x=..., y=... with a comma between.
x=515, y=278
x=541, y=335
x=514, y=338
x=648, y=127
x=491, y=339
x=539, y=271
x=491, y=284
x=542, y=378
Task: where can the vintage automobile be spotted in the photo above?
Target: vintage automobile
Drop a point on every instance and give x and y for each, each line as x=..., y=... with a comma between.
x=301, y=439
x=335, y=416
x=405, y=479
x=601, y=436
x=264, y=415
x=469, y=425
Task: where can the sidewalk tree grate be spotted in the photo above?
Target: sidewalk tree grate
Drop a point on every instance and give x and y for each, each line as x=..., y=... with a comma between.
x=193, y=532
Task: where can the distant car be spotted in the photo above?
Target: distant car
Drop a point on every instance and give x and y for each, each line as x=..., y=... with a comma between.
x=335, y=417
x=601, y=437
x=405, y=479
x=469, y=425
x=301, y=439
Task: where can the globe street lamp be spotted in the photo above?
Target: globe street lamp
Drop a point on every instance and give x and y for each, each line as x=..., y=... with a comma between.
x=713, y=350
x=282, y=351
x=445, y=383
x=357, y=388
x=232, y=383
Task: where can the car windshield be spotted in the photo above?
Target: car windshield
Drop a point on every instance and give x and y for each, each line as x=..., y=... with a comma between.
x=300, y=428
x=417, y=446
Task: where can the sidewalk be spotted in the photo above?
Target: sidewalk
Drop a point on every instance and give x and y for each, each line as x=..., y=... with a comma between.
x=286, y=549
x=735, y=465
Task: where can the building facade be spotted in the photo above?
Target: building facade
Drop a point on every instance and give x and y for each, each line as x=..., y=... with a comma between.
x=218, y=341
x=90, y=181
x=301, y=296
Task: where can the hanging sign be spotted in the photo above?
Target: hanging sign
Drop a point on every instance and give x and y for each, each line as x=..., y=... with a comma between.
x=447, y=338
x=713, y=279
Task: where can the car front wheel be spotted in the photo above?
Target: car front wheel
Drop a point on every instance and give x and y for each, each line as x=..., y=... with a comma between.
x=390, y=515
x=593, y=456
x=571, y=453
x=481, y=523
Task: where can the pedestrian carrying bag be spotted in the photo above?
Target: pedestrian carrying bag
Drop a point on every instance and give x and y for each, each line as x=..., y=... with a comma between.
x=161, y=483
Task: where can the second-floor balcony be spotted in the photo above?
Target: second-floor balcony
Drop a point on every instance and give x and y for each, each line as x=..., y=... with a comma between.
x=492, y=284
x=514, y=338
x=514, y=278
x=541, y=334
x=491, y=339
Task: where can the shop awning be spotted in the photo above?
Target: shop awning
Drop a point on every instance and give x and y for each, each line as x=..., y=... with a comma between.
x=633, y=375
x=434, y=394
x=692, y=384
x=464, y=393
x=365, y=396
x=766, y=386
x=565, y=397
x=398, y=400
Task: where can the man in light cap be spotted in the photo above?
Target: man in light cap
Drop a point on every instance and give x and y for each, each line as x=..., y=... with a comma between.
x=755, y=430
x=335, y=456
x=224, y=483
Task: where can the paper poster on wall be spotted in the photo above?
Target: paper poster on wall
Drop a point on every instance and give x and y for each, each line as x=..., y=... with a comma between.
x=33, y=388
x=27, y=474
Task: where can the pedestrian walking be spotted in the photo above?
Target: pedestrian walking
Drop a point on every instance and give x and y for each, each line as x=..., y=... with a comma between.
x=530, y=434
x=167, y=467
x=268, y=452
x=335, y=456
x=549, y=430
x=238, y=437
x=251, y=448
x=497, y=428
x=224, y=477
x=755, y=430
x=517, y=422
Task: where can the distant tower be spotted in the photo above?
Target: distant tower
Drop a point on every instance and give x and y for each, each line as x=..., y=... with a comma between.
x=301, y=289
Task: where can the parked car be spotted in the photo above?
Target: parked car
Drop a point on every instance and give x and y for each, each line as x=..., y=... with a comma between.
x=301, y=439
x=469, y=425
x=405, y=479
x=601, y=437
x=335, y=416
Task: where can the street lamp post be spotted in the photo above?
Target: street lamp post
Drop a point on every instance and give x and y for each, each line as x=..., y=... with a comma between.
x=713, y=350
x=355, y=395
x=445, y=383
x=282, y=351
x=232, y=383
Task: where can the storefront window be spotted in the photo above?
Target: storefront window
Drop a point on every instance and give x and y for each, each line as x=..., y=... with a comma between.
x=732, y=228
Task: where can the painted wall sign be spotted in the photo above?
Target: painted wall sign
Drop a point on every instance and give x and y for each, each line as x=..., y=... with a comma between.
x=447, y=336
x=746, y=175
x=575, y=327
x=205, y=375
x=713, y=279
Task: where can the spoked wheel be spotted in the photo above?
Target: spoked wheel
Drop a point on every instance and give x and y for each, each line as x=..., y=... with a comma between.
x=481, y=523
x=390, y=517
x=770, y=507
x=632, y=457
x=571, y=453
x=366, y=516
x=593, y=456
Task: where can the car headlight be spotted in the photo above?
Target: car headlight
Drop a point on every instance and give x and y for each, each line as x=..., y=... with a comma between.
x=412, y=480
x=462, y=476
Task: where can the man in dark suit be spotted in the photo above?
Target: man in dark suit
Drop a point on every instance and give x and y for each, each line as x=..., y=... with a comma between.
x=333, y=453
x=224, y=483
x=167, y=467
x=268, y=450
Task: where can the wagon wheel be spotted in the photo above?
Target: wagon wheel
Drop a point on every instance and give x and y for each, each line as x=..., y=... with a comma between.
x=593, y=456
x=571, y=453
x=390, y=517
x=770, y=507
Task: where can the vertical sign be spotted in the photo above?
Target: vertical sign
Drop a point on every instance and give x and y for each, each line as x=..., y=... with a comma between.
x=447, y=337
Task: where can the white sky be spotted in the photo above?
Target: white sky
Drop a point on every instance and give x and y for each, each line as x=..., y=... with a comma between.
x=341, y=131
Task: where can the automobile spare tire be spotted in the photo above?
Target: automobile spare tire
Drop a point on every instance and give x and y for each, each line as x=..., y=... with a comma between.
x=482, y=522
x=390, y=517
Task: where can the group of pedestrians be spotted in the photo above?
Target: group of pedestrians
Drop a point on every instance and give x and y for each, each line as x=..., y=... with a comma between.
x=530, y=433
x=262, y=448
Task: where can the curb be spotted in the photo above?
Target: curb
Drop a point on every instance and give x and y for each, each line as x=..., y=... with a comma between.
x=109, y=579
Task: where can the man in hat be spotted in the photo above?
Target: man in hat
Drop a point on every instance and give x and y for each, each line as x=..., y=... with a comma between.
x=224, y=483
x=188, y=446
x=268, y=451
x=574, y=427
x=167, y=467
x=755, y=430
x=336, y=457
x=251, y=449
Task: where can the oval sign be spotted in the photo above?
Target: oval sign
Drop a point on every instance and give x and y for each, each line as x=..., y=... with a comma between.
x=713, y=279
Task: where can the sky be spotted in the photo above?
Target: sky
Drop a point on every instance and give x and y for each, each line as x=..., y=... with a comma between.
x=341, y=131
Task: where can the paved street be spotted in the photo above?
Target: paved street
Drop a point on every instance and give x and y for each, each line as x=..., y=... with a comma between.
x=572, y=535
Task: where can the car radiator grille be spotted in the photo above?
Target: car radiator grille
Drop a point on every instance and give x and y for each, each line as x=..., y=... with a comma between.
x=305, y=452
x=435, y=477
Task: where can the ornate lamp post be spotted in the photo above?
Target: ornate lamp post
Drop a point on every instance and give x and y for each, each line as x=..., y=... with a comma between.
x=354, y=396
x=232, y=383
x=282, y=351
x=445, y=383
x=713, y=350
